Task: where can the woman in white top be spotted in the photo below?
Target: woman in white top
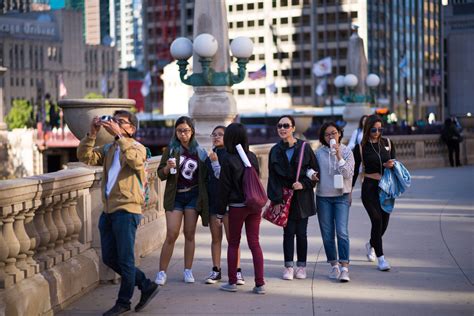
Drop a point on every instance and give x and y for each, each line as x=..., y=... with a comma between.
x=356, y=137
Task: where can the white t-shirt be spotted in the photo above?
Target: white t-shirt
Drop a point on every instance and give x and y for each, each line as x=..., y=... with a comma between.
x=113, y=172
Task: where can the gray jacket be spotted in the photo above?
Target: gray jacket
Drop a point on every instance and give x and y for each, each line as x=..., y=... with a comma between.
x=329, y=166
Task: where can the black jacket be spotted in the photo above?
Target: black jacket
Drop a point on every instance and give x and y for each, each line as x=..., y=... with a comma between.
x=213, y=182
x=282, y=173
x=230, y=181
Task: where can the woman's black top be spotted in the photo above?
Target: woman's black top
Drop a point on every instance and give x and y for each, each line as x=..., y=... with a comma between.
x=375, y=155
x=282, y=173
x=213, y=182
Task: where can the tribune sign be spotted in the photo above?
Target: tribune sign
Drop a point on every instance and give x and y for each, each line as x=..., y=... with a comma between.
x=27, y=28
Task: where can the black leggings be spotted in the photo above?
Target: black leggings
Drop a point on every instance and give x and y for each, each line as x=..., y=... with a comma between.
x=378, y=217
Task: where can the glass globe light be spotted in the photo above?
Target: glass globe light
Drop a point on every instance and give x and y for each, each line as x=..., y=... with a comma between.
x=339, y=81
x=181, y=48
x=351, y=80
x=205, y=45
x=241, y=47
x=372, y=80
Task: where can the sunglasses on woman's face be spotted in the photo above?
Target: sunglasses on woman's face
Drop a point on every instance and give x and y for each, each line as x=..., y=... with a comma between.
x=374, y=130
x=284, y=125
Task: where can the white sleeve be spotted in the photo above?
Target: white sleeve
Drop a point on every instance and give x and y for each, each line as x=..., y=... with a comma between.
x=216, y=167
x=353, y=140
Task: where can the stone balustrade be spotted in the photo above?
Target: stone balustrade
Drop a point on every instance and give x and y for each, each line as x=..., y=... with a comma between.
x=49, y=241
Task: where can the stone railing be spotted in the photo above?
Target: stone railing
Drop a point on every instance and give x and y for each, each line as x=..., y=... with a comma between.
x=49, y=241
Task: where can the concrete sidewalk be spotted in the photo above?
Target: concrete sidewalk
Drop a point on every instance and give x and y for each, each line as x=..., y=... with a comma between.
x=429, y=243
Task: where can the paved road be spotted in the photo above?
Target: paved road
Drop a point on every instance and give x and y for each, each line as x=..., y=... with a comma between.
x=429, y=243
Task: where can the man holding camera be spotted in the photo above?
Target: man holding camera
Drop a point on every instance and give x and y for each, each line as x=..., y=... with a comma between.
x=124, y=172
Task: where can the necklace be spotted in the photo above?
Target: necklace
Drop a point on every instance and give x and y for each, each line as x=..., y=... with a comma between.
x=378, y=154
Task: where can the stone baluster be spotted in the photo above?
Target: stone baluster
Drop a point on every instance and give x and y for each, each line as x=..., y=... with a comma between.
x=44, y=235
x=33, y=234
x=53, y=233
x=23, y=239
x=58, y=221
x=13, y=247
x=66, y=198
x=5, y=280
x=77, y=246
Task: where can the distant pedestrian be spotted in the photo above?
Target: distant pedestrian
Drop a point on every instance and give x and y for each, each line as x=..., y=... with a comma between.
x=356, y=136
x=215, y=224
x=282, y=170
x=183, y=166
x=231, y=194
x=375, y=153
x=333, y=198
x=452, y=137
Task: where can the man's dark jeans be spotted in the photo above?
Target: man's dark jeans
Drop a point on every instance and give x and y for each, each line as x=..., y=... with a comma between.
x=117, y=237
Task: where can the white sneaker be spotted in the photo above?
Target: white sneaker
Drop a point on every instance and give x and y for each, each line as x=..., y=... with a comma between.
x=161, y=278
x=370, y=252
x=335, y=272
x=240, y=278
x=188, y=276
x=344, y=276
x=300, y=273
x=383, y=264
x=288, y=273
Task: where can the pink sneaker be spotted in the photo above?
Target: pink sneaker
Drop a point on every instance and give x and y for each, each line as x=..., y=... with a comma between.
x=300, y=273
x=288, y=273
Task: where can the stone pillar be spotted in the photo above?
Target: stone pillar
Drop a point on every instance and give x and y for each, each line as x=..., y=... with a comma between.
x=212, y=106
x=352, y=114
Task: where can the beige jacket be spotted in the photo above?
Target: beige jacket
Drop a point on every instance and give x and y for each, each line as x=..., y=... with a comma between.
x=127, y=191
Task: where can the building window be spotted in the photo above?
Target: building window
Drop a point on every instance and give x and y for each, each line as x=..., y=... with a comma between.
x=261, y=91
x=260, y=39
x=251, y=91
x=241, y=92
x=260, y=5
x=240, y=24
x=284, y=20
x=251, y=23
x=250, y=6
x=285, y=90
x=240, y=7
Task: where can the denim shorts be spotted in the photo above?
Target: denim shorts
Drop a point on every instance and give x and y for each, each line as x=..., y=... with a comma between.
x=186, y=200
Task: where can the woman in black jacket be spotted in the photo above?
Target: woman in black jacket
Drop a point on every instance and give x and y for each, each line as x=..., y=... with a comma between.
x=282, y=169
x=231, y=194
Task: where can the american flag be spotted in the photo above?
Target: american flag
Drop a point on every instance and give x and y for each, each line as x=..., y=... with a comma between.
x=259, y=74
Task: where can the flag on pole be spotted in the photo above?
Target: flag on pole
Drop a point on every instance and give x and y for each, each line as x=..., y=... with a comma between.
x=103, y=86
x=259, y=74
x=272, y=88
x=403, y=65
x=323, y=67
x=145, y=88
x=321, y=88
x=62, y=87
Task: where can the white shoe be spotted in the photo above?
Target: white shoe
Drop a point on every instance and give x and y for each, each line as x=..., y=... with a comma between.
x=161, y=278
x=300, y=273
x=240, y=278
x=344, y=276
x=370, y=252
x=188, y=276
x=335, y=272
x=288, y=273
x=383, y=264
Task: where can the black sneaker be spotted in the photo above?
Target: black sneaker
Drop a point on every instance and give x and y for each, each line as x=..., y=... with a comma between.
x=117, y=310
x=214, y=276
x=147, y=296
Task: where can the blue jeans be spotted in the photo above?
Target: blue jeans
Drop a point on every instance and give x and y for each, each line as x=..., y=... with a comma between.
x=117, y=239
x=333, y=217
x=296, y=228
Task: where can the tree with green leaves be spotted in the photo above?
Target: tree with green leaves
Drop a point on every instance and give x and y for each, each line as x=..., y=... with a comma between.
x=93, y=95
x=20, y=115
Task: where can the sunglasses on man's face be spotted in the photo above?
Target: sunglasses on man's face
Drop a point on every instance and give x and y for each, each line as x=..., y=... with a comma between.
x=284, y=125
x=374, y=130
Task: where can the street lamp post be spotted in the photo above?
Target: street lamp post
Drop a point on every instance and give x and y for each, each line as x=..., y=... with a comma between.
x=212, y=103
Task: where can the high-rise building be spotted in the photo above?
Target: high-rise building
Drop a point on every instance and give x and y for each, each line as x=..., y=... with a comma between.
x=21, y=6
x=401, y=43
x=459, y=44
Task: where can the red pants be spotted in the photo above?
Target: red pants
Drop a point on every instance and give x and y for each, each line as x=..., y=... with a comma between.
x=237, y=217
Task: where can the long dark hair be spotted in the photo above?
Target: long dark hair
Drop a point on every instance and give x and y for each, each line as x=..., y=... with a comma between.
x=175, y=143
x=322, y=131
x=291, y=118
x=361, y=121
x=235, y=134
x=369, y=123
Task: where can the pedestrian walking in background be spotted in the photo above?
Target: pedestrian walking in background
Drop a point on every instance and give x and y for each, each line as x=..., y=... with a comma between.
x=123, y=174
x=215, y=224
x=375, y=153
x=183, y=166
x=356, y=136
x=231, y=195
x=333, y=198
x=452, y=137
x=282, y=170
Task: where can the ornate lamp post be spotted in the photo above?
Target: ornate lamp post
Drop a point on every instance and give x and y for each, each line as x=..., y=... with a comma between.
x=351, y=81
x=212, y=103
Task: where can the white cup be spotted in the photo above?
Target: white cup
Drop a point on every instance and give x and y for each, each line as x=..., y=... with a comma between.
x=332, y=143
x=172, y=170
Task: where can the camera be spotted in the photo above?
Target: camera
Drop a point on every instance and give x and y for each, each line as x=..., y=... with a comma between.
x=106, y=118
